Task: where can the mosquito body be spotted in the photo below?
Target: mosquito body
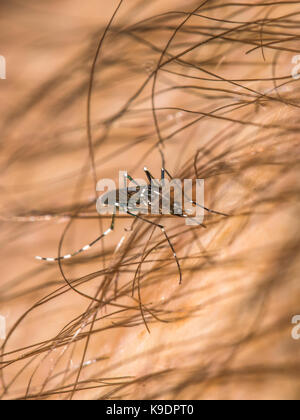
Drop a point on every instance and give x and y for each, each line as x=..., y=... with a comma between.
x=145, y=194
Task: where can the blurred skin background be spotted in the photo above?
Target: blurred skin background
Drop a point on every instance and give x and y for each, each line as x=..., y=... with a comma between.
x=214, y=81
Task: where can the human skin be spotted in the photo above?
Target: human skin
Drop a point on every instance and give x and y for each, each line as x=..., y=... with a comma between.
x=74, y=330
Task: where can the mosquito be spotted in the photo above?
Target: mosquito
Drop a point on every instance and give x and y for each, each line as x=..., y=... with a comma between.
x=145, y=193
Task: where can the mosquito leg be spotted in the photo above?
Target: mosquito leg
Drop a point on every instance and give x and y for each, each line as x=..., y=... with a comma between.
x=132, y=180
x=209, y=210
x=168, y=173
x=85, y=248
x=195, y=203
x=167, y=238
x=148, y=174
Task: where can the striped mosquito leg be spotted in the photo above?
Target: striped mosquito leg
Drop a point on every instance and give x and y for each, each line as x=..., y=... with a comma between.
x=83, y=249
x=167, y=238
x=209, y=210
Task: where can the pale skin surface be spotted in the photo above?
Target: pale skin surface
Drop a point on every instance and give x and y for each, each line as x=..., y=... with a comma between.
x=226, y=331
